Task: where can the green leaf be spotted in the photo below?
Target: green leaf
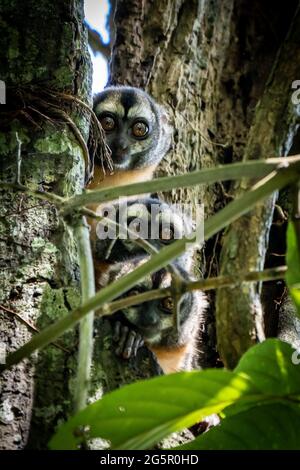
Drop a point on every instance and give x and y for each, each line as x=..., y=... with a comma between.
x=293, y=264
x=141, y=414
x=270, y=426
x=269, y=365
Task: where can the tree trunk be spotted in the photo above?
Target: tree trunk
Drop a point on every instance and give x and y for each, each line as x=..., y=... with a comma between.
x=239, y=310
x=208, y=63
x=176, y=51
x=43, y=53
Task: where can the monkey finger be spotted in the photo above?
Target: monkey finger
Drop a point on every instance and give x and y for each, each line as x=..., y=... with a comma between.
x=122, y=340
x=128, y=348
x=137, y=344
x=116, y=331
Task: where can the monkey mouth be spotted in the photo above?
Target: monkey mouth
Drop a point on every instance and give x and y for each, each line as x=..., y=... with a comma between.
x=124, y=165
x=153, y=339
x=149, y=333
x=120, y=158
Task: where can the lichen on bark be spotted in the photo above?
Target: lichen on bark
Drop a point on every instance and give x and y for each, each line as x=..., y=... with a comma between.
x=40, y=276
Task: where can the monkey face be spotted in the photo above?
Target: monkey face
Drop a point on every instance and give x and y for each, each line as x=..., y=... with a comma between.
x=153, y=317
x=128, y=138
x=155, y=320
x=134, y=127
x=148, y=219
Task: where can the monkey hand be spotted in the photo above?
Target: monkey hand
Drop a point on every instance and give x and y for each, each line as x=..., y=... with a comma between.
x=128, y=340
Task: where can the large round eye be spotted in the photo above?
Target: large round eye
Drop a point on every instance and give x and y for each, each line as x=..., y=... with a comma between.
x=140, y=129
x=167, y=305
x=134, y=292
x=166, y=234
x=108, y=123
x=135, y=226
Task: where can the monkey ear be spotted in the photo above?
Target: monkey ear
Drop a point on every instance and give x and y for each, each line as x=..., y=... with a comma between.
x=167, y=127
x=164, y=115
x=166, y=279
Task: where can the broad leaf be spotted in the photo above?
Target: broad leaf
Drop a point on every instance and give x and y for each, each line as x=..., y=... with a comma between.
x=266, y=427
x=269, y=365
x=293, y=264
x=141, y=414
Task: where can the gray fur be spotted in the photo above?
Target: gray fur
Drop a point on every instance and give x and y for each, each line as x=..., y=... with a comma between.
x=155, y=326
x=149, y=320
x=149, y=212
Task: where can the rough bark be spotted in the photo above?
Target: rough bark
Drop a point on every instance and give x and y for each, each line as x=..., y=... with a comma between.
x=239, y=310
x=280, y=314
x=117, y=371
x=43, y=46
x=176, y=51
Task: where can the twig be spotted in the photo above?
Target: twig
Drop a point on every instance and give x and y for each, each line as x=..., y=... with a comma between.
x=234, y=171
x=110, y=308
x=296, y=212
x=142, y=242
x=30, y=326
x=204, y=285
x=85, y=351
x=59, y=201
x=53, y=107
x=213, y=255
x=19, y=159
x=97, y=44
x=44, y=116
x=106, y=152
x=66, y=118
x=44, y=195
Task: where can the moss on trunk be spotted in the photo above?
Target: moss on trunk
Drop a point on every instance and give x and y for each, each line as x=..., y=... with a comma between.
x=43, y=49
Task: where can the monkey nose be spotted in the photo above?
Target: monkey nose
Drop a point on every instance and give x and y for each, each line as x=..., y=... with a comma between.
x=149, y=321
x=123, y=144
x=121, y=151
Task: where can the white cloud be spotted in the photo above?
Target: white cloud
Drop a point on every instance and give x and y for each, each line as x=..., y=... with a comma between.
x=96, y=12
x=100, y=72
